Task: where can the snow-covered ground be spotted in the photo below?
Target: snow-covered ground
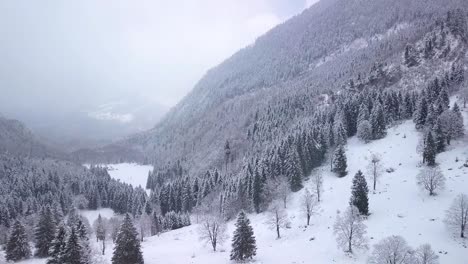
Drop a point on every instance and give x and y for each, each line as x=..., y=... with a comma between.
x=131, y=173
x=398, y=207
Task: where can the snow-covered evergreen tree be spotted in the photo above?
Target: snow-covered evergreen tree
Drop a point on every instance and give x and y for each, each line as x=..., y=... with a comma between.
x=127, y=248
x=73, y=252
x=243, y=240
x=359, y=194
x=340, y=162
x=17, y=247
x=58, y=245
x=430, y=150
x=44, y=233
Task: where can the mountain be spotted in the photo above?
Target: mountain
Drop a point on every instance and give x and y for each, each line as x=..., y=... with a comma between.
x=93, y=126
x=335, y=45
x=16, y=139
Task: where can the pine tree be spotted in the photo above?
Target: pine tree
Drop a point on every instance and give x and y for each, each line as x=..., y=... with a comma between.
x=377, y=120
x=243, y=241
x=429, y=152
x=439, y=137
x=257, y=190
x=411, y=56
x=44, y=232
x=17, y=247
x=82, y=233
x=359, y=194
x=58, y=245
x=127, y=245
x=73, y=252
x=421, y=113
x=340, y=162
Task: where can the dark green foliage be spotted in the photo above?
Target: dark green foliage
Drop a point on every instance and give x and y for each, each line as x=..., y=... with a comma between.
x=127, y=248
x=439, y=137
x=430, y=150
x=359, y=194
x=17, y=247
x=377, y=120
x=73, y=253
x=58, y=245
x=44, y=232
x=421, y=113
x=243, y=241
x=340, y=162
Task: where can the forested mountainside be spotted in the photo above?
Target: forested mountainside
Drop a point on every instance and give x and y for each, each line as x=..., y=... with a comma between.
x=16, y=139
x=333, y=45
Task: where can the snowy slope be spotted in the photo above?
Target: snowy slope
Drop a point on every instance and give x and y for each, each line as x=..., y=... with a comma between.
x=131, y=173
x=398, y=207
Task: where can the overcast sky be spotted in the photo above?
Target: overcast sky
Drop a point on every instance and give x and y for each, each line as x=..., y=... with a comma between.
x=70, y=55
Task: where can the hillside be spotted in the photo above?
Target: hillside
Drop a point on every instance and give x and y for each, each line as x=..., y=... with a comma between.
x=16, y=139
x=398, y=207
x=287, y=72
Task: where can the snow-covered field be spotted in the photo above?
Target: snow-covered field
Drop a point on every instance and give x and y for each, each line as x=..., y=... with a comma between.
x=131, y=173
x=398, y=207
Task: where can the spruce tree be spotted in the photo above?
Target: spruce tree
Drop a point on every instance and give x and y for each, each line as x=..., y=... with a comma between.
x=430, y=151
x=359, y=194
x=73, y=252
x=421, y=113
x=44, y=232
x=377, y=120
x=340, y=162
x=82, y=233
x=127, y=248
x=439, y=137
x=57, y=248
x=243, y=241
x=17, y=247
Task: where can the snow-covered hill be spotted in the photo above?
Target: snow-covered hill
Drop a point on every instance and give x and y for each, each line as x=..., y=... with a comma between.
x=398, y=207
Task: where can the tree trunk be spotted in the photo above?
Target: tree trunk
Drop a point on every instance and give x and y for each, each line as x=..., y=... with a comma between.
x=308, y=219
x=103, y=247
x=278, y=231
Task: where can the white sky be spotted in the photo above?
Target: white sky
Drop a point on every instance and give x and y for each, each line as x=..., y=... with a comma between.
x=78, y=54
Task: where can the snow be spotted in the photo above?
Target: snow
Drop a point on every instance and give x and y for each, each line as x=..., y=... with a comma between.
x=398, y=207
x=131, y=173
x=92, y=215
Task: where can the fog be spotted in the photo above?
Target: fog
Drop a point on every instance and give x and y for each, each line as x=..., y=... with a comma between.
x=59, y=57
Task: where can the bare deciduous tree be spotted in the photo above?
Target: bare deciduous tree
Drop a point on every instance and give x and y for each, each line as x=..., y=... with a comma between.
x=431, y=179
x=425, y=255
x=392, y=250
x=213, y=230
x=457, y=215
x=375, y=168
x=317, y=181
x=309, y=204
x=278, y=218
x=144, y=224
x=100, y=226
x=350, y=230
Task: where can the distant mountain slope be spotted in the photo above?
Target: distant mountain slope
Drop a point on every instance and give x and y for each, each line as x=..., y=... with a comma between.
x=285, y=75
x=16, y=139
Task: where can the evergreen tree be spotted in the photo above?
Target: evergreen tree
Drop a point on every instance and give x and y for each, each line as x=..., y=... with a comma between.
x=421, y=113
x=364, y=131
x=340, y=162
x=359, y=194
x=257, y=191
x=44, y=232
x=377, y=120
x=127, y=245
x=17, y=247
x=72, y=253
x=411, y=56
x=57, y=248
x=430, y=150
x=243, y=241
x=439, y=137
x=82, y=233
